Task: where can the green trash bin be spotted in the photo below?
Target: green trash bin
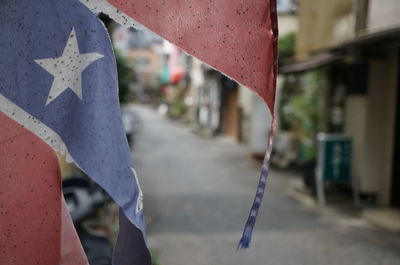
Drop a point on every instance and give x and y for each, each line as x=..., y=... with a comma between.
x=334, y=161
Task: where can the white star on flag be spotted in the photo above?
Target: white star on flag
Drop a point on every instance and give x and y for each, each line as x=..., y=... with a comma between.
x=67, y=69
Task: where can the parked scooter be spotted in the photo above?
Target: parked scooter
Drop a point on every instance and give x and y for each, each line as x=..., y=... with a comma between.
x=132, y=123
x=85, y=201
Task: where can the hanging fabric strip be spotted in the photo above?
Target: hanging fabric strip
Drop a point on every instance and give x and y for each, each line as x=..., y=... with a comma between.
x=251, y=220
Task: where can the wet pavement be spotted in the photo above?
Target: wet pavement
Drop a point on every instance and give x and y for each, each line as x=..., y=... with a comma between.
x=197, y=194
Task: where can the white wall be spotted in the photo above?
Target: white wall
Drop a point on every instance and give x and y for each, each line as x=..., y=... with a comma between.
x=380, y=127
x=383, y=14
x=287, y=23
x=197, y=80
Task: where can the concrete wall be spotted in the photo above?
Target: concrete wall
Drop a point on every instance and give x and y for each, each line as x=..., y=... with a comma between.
x=380, y=127
x=383, y=14
x=317, y=22
x=355, y=127
x=370, y=122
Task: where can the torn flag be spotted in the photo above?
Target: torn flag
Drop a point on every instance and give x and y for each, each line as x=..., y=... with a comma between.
x=58, y=79
x=236, y=37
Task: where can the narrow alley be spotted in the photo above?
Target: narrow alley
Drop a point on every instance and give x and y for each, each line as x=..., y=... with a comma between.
x=197, y=194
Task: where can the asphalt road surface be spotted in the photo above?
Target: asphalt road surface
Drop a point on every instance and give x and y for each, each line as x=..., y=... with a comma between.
x=197, y=194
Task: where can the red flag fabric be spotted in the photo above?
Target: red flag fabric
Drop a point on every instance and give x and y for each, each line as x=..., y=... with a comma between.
x=34, y=223
x=236, y=37
x=72, y=252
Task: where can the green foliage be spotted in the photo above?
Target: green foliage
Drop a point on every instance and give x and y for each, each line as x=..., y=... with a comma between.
x=125, y=76
x=154, y=256
x=286, y=45
x=300, y=112
x=290, y=85
x=177, y=109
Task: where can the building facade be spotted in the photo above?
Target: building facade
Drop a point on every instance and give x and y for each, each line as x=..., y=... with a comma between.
x=355, y=46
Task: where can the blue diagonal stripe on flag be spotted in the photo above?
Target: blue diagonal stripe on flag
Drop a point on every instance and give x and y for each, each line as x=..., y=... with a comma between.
x=58, y=69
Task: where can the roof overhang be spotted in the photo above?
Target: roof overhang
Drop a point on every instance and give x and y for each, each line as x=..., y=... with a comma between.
x=312, y=62
x=338, y=52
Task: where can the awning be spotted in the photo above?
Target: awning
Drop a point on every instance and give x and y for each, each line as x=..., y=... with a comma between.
x=372, y=38
x=338, y=52
x=312, y=62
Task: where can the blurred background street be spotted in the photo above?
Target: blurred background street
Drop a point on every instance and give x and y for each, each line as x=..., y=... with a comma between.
x=198, y=139
x=197, y=196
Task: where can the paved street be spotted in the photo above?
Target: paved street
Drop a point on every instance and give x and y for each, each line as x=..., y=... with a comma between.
x=197, y=196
